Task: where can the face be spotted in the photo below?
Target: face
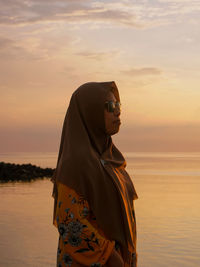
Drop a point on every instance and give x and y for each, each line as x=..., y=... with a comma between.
x=112, y=119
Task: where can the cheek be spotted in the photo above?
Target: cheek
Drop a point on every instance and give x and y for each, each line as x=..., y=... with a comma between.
x=108, y=120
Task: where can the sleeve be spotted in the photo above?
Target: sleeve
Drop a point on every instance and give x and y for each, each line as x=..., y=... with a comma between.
x=80, y=238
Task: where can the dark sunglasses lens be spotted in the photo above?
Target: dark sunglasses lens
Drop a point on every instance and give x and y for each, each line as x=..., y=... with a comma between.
x=118, y=105
x=111, y=106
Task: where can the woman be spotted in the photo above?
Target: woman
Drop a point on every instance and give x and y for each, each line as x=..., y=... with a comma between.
x=94, y=195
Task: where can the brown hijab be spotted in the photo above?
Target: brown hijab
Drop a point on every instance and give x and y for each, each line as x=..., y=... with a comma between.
x=90, y=163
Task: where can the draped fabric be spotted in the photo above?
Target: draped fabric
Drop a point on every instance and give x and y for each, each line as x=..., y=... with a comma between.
x=91, y=164
x=81, y=241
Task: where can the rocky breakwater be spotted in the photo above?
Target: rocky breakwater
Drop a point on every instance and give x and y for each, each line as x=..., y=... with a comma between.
x=22, y=172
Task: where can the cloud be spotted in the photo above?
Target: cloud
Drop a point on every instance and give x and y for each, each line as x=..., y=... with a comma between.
x=106, y=16
x=5, y=43
x=140, y=14
x=9, y=49
x=28, y=12
x=142, y=71
x=33, y=48
x=98, y=55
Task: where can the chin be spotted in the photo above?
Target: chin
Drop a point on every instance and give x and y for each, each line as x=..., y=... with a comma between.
x=114, y=132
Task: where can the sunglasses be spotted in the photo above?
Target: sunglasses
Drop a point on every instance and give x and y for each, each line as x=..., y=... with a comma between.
x=111, y=106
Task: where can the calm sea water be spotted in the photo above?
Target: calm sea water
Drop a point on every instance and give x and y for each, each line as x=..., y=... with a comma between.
x=167, y=211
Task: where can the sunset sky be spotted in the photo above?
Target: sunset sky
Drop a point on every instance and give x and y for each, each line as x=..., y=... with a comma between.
x=150, y=48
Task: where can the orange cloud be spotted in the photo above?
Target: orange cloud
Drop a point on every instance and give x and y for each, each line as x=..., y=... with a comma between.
x=142, y=71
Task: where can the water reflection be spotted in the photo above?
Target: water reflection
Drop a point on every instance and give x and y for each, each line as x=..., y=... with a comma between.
x=167, y=214
x=27, y=235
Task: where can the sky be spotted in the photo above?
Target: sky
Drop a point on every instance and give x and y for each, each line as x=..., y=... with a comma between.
x=149, y=48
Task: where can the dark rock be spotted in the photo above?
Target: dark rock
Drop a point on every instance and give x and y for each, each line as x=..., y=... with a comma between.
x=23, y=172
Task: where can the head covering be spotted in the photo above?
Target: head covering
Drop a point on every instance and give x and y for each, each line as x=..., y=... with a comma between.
x=90, y=163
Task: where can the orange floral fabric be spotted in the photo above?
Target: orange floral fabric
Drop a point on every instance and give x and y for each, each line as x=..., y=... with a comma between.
x=81, y=241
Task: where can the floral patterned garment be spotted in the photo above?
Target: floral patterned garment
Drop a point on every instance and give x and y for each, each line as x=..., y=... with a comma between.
x=81, y=241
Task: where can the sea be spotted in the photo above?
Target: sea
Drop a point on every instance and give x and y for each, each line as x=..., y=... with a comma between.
x=167, y=211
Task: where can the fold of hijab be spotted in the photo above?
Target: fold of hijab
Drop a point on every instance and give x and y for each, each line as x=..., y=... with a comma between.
x=91, y=164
